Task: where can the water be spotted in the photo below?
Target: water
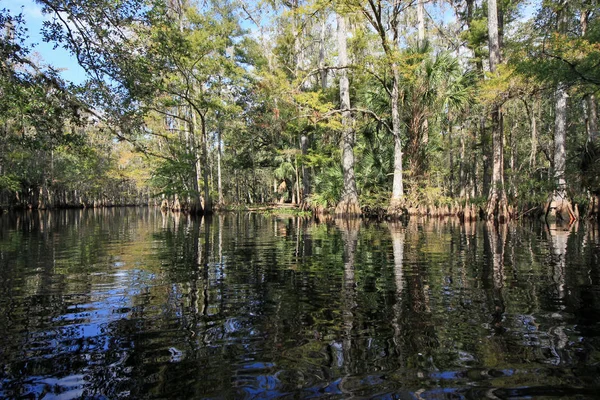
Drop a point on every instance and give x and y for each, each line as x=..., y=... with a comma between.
x=133, y=303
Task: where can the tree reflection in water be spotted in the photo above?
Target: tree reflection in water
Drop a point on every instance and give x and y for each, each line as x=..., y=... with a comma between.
x=138, y=303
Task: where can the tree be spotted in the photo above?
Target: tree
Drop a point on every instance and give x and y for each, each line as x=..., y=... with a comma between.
x=348, y=204
x=167, y=59
x=383, y=17
x=497, y=205
x=559, y=200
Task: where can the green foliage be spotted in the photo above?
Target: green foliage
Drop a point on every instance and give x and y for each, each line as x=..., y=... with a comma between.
x=179, y=92
x=328, y=186
x=9, y=182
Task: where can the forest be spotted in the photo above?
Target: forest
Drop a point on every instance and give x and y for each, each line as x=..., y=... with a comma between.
x=351, y=107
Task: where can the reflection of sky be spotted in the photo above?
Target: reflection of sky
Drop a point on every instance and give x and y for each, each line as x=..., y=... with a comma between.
x=85, y=331
x=118, y=331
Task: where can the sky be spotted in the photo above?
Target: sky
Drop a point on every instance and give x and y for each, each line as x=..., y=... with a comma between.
x=58, y=58
x=62, y=60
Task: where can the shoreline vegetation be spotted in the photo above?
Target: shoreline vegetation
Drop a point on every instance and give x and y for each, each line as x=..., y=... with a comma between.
x=481, y=109
x=465, y=213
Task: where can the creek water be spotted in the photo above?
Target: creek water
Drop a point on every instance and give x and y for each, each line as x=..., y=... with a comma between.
x=135, y=303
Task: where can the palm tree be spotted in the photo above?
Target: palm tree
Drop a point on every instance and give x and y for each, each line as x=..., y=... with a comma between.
x=434, y=85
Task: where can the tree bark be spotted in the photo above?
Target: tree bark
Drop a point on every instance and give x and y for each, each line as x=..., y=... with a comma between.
x=559, y=203
x=451, y=158
x=374, y=12
x=305, y=170
x=421, y=43
x=592, y=107
x=534, y=132
x=196, y=205
x=323, y=71
x=497, y=207
x=348, y=205
x=204, y=160
x=494, y=39
x=219, y=173
x=395, y=209
x=421, y=22
x=462, y=173
x=513, y=157
x=590, y=99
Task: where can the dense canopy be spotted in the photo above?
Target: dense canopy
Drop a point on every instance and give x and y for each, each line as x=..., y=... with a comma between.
x=350, y=106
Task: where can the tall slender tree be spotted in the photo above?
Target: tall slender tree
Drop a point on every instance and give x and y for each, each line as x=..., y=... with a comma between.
x=348, y=204
x=384, y=18
x=497, y=205
x=559, y=201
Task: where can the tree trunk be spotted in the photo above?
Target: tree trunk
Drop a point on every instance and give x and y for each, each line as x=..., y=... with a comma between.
x=323, y=71
x=196, y=204
x=462, y=170
x=486, y=176
x=348, y=205
x=395, y=208
x=297, y=197
x=421, y=22
x=494, y=39
x=204, y=160
x=305, y=170
x=219, y=174
x=497, y=207
x=592, y=107
x=559, y=203
x=534, y=140
x=451, y=158
x=513, y=158
x=421, y=43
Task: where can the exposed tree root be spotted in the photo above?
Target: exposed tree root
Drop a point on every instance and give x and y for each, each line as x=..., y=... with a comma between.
x=497, y=207
x=348, y=207
x=397, y=209
x=560, y=206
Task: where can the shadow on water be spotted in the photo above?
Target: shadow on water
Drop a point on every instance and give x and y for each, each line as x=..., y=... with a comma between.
x=138, y=303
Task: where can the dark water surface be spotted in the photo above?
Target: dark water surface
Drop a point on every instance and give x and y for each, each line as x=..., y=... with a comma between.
x=133, y=303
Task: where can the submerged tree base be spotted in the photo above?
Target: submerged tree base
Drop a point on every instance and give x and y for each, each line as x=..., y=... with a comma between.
x=348, y=208
x=560, y=207
x=397, y=209
x=497, y=207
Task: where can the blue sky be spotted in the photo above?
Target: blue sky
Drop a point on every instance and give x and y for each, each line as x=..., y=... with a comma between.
x=62, y=60
x=59, y=58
